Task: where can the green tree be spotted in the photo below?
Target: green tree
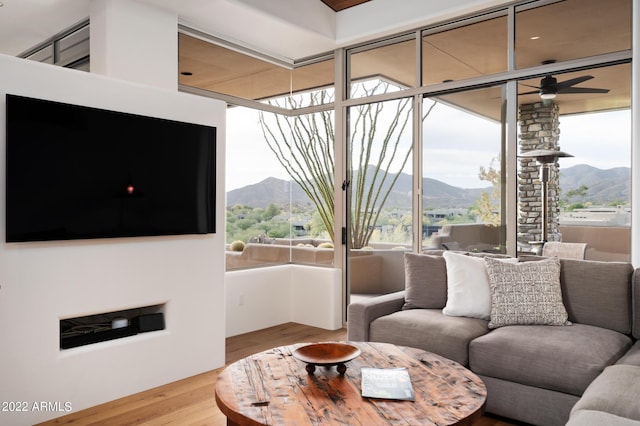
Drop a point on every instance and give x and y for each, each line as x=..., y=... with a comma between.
x=488, y=205
x=580, y=193
x=271, y=211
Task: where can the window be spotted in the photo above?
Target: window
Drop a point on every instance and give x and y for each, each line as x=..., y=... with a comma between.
x=588, y=194
x=380, y=149
x=69, y=49
x=467, y=125
x=380, y=193
x=462, y=151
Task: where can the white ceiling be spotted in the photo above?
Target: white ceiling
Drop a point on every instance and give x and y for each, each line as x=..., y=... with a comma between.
x=288, y=29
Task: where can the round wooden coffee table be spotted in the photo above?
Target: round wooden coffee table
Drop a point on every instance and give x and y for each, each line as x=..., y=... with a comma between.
x=274, y=388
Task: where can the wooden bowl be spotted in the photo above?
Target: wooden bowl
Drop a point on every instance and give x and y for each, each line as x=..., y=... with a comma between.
x=326, y=355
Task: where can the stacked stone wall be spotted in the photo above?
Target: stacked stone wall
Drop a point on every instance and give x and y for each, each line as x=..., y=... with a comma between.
x=539, y=129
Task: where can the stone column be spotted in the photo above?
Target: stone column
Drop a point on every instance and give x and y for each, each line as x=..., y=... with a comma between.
x=539, y=129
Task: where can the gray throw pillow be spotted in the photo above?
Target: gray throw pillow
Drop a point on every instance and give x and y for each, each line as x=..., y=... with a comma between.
x=425, y=279
x=525, y=293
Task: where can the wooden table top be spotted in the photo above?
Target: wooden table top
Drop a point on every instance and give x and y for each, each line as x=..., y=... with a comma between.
x=273, y=388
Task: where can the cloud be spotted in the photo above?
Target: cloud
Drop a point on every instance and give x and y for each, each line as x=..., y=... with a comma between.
x=602, y=140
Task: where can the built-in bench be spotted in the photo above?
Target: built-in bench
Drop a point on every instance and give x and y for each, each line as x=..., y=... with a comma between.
x=606, y=243
x=466, y=236
x=370, y=271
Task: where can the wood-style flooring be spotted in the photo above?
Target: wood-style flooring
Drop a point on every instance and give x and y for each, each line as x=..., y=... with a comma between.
x=191, y=401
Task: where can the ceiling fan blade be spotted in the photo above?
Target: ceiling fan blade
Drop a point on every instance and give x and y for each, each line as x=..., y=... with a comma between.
x=530, y=93
x=582, y=90
x=574, y=81
x=528, y=85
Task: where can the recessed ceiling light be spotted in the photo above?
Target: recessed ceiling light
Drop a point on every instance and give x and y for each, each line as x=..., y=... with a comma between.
x=534, y=38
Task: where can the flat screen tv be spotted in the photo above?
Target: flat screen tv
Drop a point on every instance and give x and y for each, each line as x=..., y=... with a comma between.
x=76, y=172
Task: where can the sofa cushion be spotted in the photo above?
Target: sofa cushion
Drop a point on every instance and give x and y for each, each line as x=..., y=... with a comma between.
x=430, y=330
x=563, y=359
x=597, y=293
x=632, y=356
x=615, y=391
x=599, y=418
x=425, y=281
x=525, y=293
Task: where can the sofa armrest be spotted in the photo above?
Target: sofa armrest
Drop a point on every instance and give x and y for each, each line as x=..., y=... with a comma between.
x=360, y=314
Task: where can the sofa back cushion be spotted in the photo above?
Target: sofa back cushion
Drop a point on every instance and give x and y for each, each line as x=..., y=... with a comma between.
x=598, y=293
x=425, y=281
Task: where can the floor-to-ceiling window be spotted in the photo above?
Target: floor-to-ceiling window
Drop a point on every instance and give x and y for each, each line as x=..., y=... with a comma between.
x=380, y=193
x=478, y=78
x=379, y=149
x=579, y=107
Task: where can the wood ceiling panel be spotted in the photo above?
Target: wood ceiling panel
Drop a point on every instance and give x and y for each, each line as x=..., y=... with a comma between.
x=218, y=69
x=567, y=30
x=572, y=29
x=465, y=52
x=338, y=5
x=395, y=62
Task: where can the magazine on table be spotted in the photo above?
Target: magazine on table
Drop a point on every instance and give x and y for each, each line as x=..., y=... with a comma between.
x=387, y=383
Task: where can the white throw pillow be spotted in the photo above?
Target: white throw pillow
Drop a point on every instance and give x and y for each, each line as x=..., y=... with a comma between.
x=468, y=291
x=468, y=288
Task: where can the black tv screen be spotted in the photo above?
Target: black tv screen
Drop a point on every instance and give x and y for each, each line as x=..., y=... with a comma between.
x=76, y=172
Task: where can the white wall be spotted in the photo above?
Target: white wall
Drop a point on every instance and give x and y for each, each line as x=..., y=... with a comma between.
x=316, y=296
x=384, y=17
x=264, y=297
x=134, y=42
x=42, y=283
x=257, y=299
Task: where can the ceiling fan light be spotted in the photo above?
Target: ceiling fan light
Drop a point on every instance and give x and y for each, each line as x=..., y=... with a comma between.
x=550, y=95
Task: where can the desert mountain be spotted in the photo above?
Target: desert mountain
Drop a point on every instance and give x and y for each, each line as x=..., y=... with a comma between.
x=604, y=186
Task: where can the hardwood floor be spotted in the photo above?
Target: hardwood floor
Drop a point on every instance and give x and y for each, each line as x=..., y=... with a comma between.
x=191, y=401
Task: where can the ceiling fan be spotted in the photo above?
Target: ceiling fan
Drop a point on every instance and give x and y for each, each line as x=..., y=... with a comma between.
x=550, y=87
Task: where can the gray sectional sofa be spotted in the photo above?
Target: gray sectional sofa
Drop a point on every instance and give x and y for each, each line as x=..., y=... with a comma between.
x=584, y=370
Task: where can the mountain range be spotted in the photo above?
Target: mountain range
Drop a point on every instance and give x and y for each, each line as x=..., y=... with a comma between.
x=604, y=186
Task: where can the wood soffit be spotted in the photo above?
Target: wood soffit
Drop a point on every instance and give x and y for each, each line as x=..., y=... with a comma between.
x=338, y=5
x=561, y=31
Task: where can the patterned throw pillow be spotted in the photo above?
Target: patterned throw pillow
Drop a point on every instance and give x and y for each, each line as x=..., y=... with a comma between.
x=526, y=293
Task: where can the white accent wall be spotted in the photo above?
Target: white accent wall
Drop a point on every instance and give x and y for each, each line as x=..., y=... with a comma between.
x=264, y=297
x=42, y=283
